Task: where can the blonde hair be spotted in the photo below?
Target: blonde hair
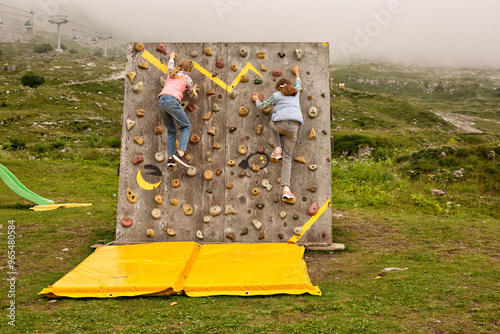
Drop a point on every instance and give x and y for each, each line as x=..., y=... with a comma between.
x=182, y=65
x=286, y=88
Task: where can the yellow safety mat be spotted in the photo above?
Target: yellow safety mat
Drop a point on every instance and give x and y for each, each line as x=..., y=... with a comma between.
x=198, y=270
x=57, y=206
x=249, y=270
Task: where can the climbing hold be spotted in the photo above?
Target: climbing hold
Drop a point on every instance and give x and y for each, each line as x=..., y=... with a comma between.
x=258, y=81
x=215, y=211
x=156, y=213
x=230, y=236
x=230, y=210
x=138, y=159
x=191, y=171
x=266, y=110
x=309, y=97
x=174, y=202
x=263, y=68
x=211, y=131
x=159, y=156
x=139, y=46
x=243, y=112
x=297, y=230
x=282, y=214
x=139, y=87
x=162, y=82
x=255, y=191
x=207, y=219
x=191, y=107
x=194, y=54
x=274, y=79
x=312, y=189
x=195, y=139
x=216, y=146
x=219, y=63
x=175, y=183
x=210, y=191
x=229, y=185
x=139, y=140
x=199, y=235
x=261, y=235
x=261, y=55
x=276, y=200
x=260, y=205
x=300, y=159
x=256, y=168
x=257, y=224
x=211, y=92
x=232, y=129
x=324, y=132
x=281, y=54
x=207, y=117
x=304, y=198
x=159, y=199
x=313, y=112
x=184, y=105
x=209, y=157
x=233, y=94
x=295, y=216
x=140, y=112
x=259, y=131
x=243, y=52
x=289, y=200
x=215, y=107
x=219, y=96
x=244, y=78
x=131, y=76
x=242, y=149
x=130, y=124
x=144, y=65
x=158, y=130
x=245, y=232
x=170, y=232
x=323, y=95
x=265, y=183
x=313, y=209
x=161, y=48
x=218, y=172
x=188, y=210
x=234, y=67
x=328, y=159
x=313, y=167
x=208, y=51
x=280, y=235
x=312, y=134
x=277, y=73
x=308, y=72
x=242, y=175
x=208, y=175
x=299, y=54
x=215, y=74
x=150, y=233
x=231, y=163
x=126, y=221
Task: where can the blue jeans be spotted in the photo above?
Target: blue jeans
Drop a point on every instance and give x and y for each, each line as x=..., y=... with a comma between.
x=172, y=114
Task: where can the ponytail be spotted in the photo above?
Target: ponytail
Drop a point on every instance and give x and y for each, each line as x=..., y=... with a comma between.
x=286, y=88
x=182, y=65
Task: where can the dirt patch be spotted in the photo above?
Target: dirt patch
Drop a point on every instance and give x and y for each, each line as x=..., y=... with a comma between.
x=462, y=122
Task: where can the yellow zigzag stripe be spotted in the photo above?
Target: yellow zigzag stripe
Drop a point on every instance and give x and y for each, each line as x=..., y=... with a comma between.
x=164, y=68
x=310, y=222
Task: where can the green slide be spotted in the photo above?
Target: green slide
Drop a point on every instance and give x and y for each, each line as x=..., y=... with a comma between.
x=14, y=184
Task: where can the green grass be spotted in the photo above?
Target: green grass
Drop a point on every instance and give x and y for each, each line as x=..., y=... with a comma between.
x=383, y=210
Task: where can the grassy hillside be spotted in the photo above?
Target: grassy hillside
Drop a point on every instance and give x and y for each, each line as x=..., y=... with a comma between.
x=391, y=151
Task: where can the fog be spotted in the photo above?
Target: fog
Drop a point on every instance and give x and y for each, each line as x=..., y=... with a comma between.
x=433, y=32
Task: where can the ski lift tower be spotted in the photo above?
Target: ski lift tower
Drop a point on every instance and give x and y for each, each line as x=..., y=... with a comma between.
x=105, y=37
x=58, y=19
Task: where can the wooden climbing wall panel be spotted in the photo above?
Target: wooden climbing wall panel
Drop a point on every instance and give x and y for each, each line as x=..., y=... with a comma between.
x=147, y=179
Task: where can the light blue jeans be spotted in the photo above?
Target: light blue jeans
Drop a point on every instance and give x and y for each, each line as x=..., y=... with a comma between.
x=172, y=114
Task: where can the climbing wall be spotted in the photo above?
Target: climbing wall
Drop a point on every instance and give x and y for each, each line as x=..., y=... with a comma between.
x=230, y=148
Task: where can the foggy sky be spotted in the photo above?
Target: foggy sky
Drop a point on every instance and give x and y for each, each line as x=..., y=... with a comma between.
x=441, y=32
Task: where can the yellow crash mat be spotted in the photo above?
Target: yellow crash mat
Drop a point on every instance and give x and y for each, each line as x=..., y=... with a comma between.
x=249, y=270
x=130, y=270
x=198, y=270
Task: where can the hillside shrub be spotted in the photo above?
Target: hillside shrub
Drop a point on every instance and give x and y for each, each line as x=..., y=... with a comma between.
x=32, y=80
x=42, y=48
x=64, y=47
x=72, y=51
x=350, y=144
x=98, y=53
x=17, y=143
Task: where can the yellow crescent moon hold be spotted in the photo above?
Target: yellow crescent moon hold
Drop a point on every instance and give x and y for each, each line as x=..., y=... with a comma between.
x=143, y=183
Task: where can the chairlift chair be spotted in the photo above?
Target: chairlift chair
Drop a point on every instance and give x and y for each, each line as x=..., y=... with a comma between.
x=75, y=38
x=1, y=23
x=94, y=40
x=28, y=24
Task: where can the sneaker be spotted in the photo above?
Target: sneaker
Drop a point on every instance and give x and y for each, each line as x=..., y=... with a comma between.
x=287, y=193
x=276, y=155
x=182, y=160
x=171, y=162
